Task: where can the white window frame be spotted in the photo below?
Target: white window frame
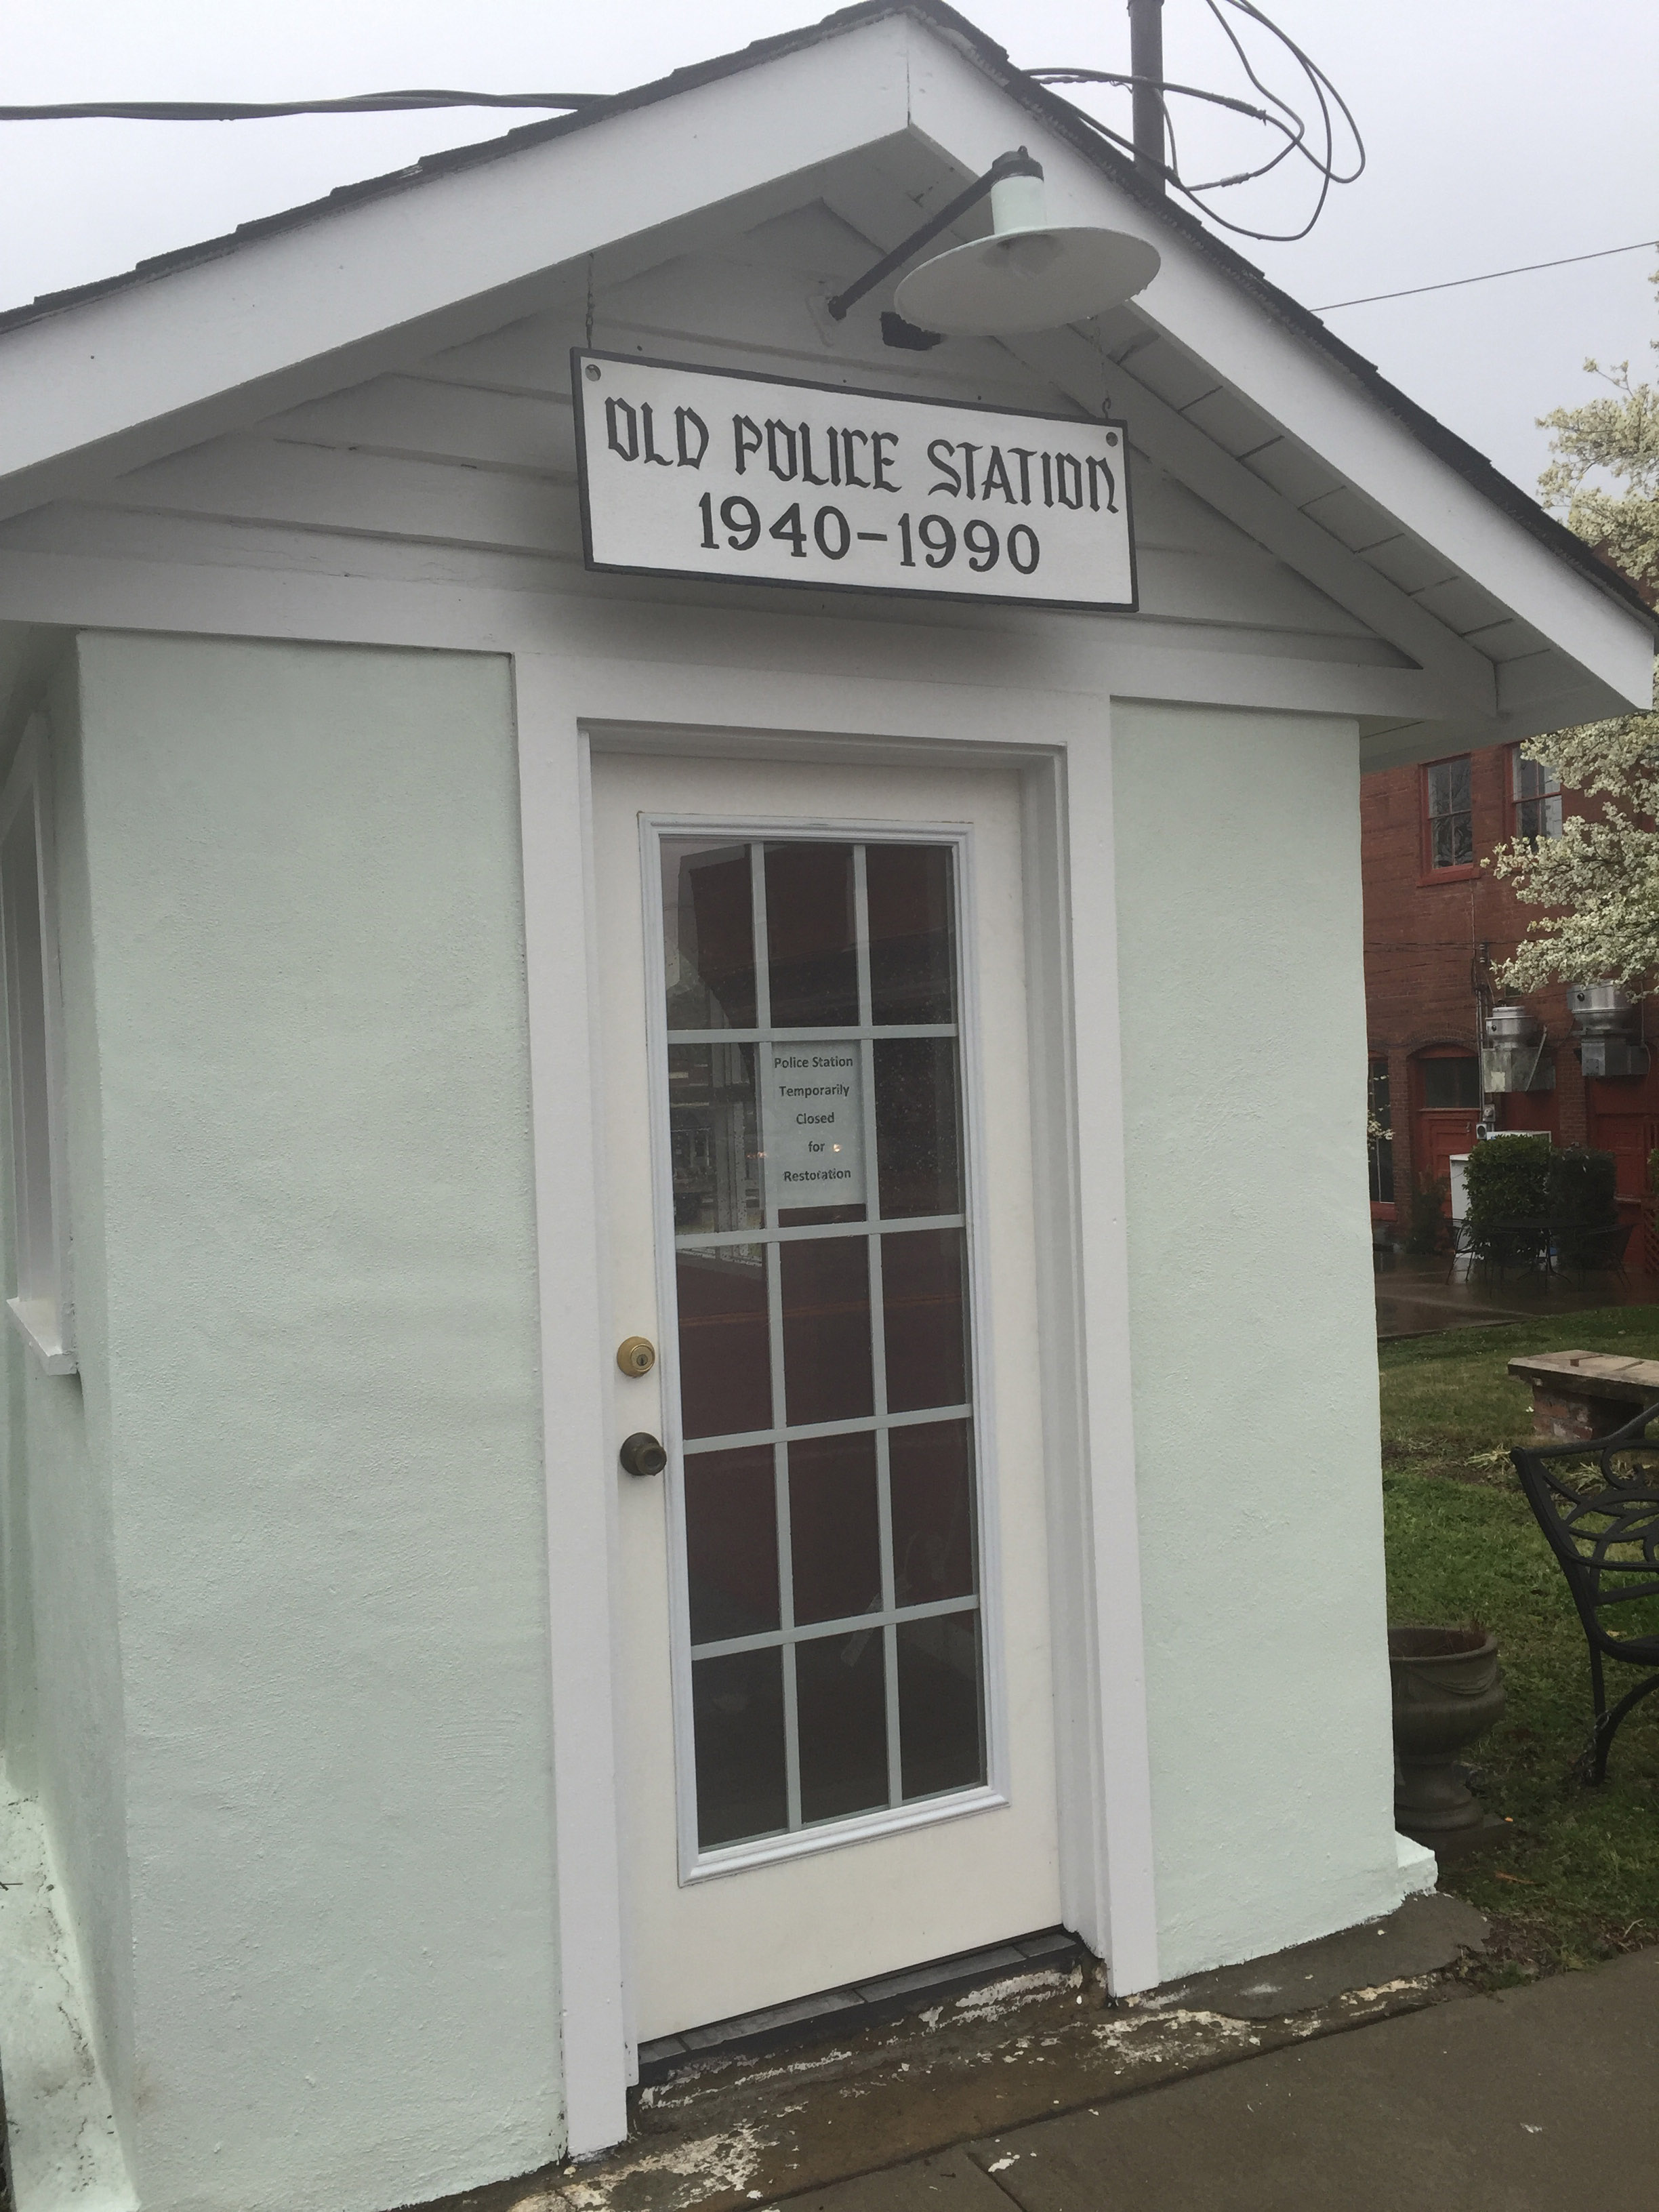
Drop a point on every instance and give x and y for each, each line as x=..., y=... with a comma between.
x=1518, y=798
x=43, y=1309
x=696, y=1864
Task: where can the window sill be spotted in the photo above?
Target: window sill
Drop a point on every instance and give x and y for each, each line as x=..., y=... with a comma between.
x=888, y=1820
x=1460, y=875
x=36, y=1321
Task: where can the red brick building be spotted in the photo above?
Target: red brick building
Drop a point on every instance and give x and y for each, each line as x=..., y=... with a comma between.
x=1438, y=925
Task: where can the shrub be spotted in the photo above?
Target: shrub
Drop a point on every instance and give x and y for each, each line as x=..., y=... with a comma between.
x=1527, y=1179
x=1427, y=1215
x=1581, y=1184
x=1508, y=1179
x=1582, y=1187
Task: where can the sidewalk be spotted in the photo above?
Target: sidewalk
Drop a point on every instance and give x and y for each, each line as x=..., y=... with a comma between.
x=1533, y=2100
x=1413, y=1298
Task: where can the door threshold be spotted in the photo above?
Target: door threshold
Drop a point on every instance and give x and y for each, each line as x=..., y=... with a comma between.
x=858, y=2004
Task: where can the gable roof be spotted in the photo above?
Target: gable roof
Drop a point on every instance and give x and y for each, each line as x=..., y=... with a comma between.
x=1459, y=613
x=1057, y=114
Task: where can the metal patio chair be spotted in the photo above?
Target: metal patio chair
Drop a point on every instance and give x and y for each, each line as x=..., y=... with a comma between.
x=1462, y=1247
x=1586, y=1252
x=1598, y=1504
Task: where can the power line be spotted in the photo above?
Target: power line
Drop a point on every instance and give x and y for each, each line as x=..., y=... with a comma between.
x=1291, y=124
x=242, y=110
x=1313, y=142
x=1526, y=269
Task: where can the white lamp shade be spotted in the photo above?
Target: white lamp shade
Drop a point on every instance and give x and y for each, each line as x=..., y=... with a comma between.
x=1026, y=280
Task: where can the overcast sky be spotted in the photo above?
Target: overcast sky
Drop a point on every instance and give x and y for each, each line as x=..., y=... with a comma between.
x=1498, y=131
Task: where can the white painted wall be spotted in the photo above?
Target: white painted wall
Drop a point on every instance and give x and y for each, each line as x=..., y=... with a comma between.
x=1256, y=1393
x=64, y=1701
x=320, y=1361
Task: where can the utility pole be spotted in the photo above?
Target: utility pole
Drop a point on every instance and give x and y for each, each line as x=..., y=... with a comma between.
x=1146, y=64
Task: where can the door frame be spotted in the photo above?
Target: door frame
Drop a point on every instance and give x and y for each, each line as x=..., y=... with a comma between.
x=696, y=1865
x=567, y=706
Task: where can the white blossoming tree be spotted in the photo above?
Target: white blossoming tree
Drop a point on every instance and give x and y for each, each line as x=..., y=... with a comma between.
x=1599, y=880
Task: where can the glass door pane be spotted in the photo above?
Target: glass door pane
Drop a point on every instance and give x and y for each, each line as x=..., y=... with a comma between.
x=828, y=1490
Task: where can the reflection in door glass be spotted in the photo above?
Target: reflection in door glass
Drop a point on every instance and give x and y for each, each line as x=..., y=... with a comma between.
x=714, y=1136
x=824, y=1311
x=840, y=1698
x=912, y=934
x=708, y=937
x=834, y=1525
x=933, y=1494
x=829, y=1492
x=725, y=1339
x=811, y=931
x=916, y=1124
x=941, y=1717
x=737, y=1710
x=925, y=1318
x=731, y=1543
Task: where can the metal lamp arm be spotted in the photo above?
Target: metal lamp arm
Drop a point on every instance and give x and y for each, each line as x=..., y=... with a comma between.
x=1021, y=164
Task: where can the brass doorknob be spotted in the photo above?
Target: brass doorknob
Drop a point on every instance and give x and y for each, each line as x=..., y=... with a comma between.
x=641, y=1454
x=637, y=1356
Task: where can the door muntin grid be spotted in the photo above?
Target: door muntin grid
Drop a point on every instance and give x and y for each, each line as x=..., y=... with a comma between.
x=830, y=1650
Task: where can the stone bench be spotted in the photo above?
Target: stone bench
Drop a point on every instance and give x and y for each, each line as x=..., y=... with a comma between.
x=1580, y=1394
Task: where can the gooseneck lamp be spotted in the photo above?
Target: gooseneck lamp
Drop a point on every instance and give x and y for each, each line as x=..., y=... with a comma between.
x=1029, y=275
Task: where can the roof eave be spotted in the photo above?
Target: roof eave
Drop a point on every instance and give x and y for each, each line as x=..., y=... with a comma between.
x=1057, y=115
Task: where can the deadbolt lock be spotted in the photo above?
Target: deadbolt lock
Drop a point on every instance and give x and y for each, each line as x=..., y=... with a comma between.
x=637, y=1356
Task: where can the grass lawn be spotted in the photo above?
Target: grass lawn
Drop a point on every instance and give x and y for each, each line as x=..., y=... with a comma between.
x=1577, y=1878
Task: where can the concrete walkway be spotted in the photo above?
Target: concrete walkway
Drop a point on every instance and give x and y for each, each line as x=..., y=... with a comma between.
x=1534, y=2099
x=1413, y=1298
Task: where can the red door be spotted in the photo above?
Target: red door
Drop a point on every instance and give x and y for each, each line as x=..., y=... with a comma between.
x=1446, y=1099
x=1630, y=1133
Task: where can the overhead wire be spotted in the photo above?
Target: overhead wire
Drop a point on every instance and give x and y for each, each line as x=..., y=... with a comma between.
x=1294, y=131
x=1488, y=275
x=260, y=110
x=1279, y=115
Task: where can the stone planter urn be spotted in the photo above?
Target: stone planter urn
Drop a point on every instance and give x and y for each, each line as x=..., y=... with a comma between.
x=1448, y=1692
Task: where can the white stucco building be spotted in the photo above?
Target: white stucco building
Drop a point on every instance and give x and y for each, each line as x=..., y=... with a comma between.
x=425, y=954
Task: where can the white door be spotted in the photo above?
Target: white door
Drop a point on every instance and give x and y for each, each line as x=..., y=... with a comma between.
x=838, y=1727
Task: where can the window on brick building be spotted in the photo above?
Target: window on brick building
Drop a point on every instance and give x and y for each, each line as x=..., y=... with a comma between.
x=1536, y=793
x=1450, y=1082
x=1380, y=1128
x=1450, y=814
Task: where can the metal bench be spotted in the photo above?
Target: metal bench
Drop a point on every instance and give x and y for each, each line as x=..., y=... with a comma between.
x=1598, y=1504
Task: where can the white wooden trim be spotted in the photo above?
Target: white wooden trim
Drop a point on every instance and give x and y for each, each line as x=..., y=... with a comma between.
x=839, y=1836
x=36, y=1320
x=565, y=1122
x=1106, y=1837
x=1134, y=657
x=1108, y=1865
x=46, y=1323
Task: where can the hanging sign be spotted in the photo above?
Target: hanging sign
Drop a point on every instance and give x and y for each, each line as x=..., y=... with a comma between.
x=702, y=472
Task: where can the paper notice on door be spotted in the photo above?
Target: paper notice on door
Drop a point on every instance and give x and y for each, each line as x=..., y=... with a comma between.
x=812, y=1125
